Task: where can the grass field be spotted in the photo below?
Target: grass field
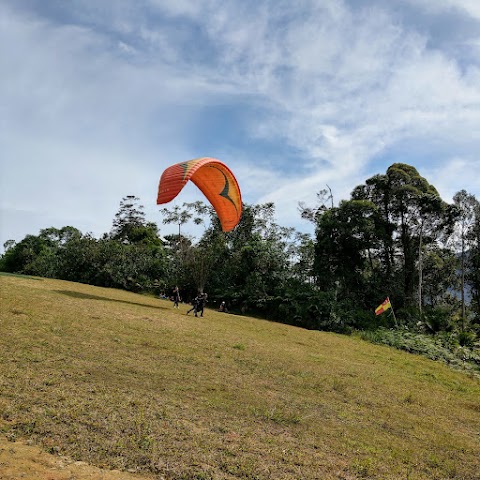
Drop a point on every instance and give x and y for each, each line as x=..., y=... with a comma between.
x=124, y=381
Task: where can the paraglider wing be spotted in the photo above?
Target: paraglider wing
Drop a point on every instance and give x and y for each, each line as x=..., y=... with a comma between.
x=214, y=179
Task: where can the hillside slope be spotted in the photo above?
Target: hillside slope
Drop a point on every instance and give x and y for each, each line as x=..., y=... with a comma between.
x=124, y=381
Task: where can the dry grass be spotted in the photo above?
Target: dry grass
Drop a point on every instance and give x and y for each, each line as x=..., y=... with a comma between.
x=124, y=381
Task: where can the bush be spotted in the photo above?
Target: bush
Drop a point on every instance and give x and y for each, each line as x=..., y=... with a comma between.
x=444, y=346
x=438, y=319
x=467, y=339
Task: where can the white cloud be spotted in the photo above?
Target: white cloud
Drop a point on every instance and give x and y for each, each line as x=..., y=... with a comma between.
x=97, y=109
x=455, y=174
x=470, y=7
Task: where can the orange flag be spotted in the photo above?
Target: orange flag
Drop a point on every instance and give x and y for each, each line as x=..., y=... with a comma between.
x=384, y=306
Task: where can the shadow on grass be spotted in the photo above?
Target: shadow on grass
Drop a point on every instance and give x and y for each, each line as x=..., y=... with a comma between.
x=87, y=296
x=19, y=275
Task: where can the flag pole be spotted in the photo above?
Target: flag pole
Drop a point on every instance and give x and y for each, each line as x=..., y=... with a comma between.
x=393, y=313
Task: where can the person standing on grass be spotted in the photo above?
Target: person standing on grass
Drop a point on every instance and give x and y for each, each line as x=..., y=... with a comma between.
x=202, y=300
x=176, y=297
x=194, y=305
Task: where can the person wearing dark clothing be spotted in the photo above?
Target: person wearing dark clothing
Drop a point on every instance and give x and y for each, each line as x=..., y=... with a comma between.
x=194, y=306
x=202, y=300
x=198, y=304
x=223, y=307
x=176, y=297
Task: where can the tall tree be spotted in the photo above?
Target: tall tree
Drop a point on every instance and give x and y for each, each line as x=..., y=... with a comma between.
x=466, y=204
x=473, y=265
x=183, y=259
x=137, y=260
x=303, y=257
x=252, y=262
x=440, y=277
x=34, y=255
x=130, y=225
x=345, y=238
x=412, y=217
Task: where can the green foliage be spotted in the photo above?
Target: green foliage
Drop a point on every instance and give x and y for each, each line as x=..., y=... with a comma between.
x=449, y=348
x=467, y=339
x=130, y=225
x=132, y=258
x=251, y=263
x=473, y=263
x=410, y=217
x=438, y=319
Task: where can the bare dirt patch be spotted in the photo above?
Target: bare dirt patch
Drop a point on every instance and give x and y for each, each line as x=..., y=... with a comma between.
x=19, y=460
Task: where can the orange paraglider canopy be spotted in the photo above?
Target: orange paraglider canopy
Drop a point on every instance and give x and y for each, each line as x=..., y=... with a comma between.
x=214, y=179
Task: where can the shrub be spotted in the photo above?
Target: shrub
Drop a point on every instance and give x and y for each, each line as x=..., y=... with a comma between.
x=444, y=346
x=467, y=339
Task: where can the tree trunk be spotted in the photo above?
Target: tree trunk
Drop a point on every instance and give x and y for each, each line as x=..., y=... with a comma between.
x=420, y=270
x=463, y=280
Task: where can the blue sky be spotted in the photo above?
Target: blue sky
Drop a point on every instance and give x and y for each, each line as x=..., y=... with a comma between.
x=98, y=98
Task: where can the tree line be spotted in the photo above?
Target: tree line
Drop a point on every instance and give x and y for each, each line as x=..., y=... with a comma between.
x=394, y=237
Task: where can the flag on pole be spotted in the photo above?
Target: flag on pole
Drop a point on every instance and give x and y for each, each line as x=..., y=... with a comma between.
x=384, y=306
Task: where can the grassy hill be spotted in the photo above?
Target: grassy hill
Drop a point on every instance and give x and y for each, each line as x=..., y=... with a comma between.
x=124, y=381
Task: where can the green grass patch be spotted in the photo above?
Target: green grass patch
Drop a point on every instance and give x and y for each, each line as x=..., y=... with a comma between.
x=125, y=381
